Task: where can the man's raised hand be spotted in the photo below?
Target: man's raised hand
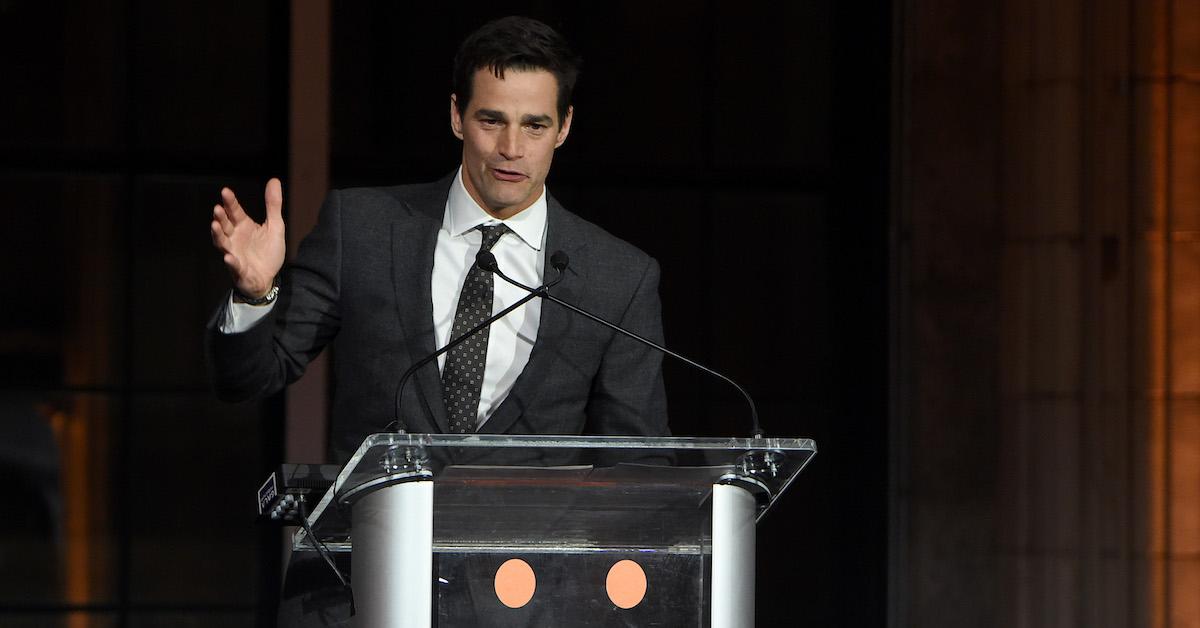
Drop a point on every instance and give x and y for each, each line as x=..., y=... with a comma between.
x=253, y=253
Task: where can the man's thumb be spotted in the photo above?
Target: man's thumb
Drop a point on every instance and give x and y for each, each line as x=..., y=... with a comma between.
x=274, y=198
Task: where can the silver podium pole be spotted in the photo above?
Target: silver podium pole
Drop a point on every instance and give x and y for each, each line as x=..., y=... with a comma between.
x=393, y=556
x=733, y=517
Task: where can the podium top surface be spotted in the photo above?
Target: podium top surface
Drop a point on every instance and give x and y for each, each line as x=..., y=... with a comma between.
x=564, y=442
x=527, y=475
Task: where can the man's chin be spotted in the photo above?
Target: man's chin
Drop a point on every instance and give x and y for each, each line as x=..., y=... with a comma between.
x=506, y=203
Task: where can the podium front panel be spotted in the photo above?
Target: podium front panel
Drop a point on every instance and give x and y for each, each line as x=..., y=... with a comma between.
x=571, y=589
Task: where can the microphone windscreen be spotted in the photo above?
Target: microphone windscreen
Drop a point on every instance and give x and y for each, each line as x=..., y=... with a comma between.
x=486, y=261
x=559, y=261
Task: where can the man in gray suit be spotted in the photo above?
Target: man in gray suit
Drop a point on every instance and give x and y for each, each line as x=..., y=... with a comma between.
x=388, y=275
x=381, y=275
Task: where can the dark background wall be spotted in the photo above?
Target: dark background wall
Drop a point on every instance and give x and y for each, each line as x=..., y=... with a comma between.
x=746, y=147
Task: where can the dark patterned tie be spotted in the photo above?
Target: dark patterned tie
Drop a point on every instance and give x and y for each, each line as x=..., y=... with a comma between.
x=462, y=377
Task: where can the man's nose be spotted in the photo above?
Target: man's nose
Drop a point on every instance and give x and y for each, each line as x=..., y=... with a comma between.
x=511, y=145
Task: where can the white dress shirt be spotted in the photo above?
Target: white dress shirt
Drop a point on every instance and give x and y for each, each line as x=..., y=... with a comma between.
x=520, y=255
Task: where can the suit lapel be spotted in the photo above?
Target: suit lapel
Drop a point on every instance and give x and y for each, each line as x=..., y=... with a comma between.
x=413, y=243
x=562, y=234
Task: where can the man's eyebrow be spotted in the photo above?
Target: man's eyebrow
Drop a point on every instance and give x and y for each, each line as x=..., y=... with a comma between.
x=491, y=113
x=543, y=119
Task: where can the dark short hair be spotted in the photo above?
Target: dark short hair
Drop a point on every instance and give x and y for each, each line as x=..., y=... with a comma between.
x=515, y=43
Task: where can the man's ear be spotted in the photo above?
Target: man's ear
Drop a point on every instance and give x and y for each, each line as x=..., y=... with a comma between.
x=565, y=129
x=455, y=117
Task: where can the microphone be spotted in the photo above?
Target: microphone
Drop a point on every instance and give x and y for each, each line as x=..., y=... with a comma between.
x=559, y=261
x=533, y=292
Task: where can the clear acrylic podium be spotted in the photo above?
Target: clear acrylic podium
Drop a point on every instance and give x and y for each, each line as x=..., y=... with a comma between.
x=499, y=530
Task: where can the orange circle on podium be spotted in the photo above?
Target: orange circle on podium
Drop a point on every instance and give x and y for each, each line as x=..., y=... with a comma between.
x=626, y=584
x=515, y=583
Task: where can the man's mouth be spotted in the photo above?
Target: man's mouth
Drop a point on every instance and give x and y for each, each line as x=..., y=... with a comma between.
x=511, y=176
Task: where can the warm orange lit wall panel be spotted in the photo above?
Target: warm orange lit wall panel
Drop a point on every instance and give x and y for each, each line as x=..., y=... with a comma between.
x=1184, y=154
x=1184, y=485
x=1095, y=356
x=1183, y=355
x=1177, y=166
x=1184, y=40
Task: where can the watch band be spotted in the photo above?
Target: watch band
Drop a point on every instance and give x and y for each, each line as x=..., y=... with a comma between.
x=265, y=299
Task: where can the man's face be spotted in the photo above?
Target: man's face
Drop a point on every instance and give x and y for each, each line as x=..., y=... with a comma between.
x=509, y=132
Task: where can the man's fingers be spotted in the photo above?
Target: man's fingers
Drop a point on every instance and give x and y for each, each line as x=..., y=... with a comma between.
x=274, y=198
x=222, y=219
x=219, y=237
x=247, y=247
x=233, y=208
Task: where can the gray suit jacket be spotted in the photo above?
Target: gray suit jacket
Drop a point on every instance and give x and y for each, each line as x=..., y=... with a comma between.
x=361, y=281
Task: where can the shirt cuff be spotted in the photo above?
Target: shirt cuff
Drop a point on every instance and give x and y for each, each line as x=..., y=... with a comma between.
x=240, y=317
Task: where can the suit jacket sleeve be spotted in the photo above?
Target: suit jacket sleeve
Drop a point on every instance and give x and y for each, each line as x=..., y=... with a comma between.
x=275, y=351
x=627, y=396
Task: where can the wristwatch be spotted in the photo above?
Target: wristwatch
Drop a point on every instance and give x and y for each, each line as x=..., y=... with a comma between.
x=265, y=299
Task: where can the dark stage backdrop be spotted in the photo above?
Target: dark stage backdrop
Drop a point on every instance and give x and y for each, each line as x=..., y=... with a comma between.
x=746, y=147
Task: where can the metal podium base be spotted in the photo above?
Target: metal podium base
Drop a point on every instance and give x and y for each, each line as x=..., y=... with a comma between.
x=733, y=518
x=393, y=556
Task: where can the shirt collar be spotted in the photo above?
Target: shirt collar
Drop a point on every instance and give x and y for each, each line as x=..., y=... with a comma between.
x=464, y=214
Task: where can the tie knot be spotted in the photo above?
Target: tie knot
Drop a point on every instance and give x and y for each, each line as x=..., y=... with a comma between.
x=491, y=233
